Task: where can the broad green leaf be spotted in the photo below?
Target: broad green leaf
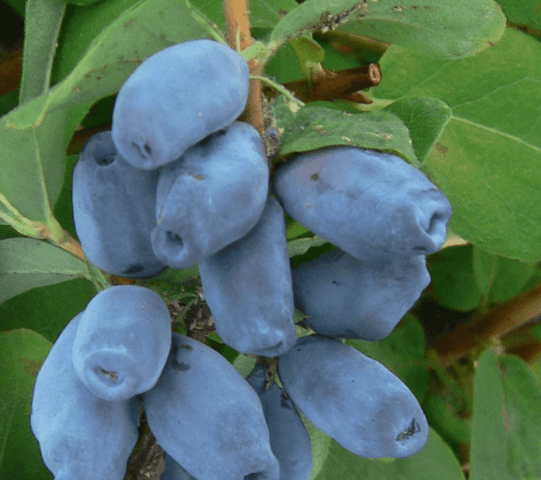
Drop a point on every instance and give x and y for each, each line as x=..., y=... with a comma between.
x=80, y=26
x=454, y=282
x=47, y=310
x=487, y=452
x=402, y=352
x=484, y=269
x=321, y=124
x=499, y=278
x=437, y=28
x=26, y=263
x=41, y=27
x=524, y=13
x=435, y=462
x=522, y=411
x=426, y=118
x=488, y=160
x=21, y=354
x=267, y=13
x=32, y=164
x=441, y=416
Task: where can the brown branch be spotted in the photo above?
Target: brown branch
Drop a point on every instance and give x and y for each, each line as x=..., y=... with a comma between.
x=341, y=84
x=498, y=322
x=11, y=66
x=237, y=17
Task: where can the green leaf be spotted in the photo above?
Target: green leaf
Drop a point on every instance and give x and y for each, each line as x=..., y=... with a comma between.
x=426, y=118
x=487, y=452
x=80, y=26
x=454, y=282
x=321, y=445
x=522, y=411
x=435, y=28
x=26, y=263
x=41, y=27
x=507, y=408
x=21, y=354
x=499, y=278
x=293, y=228
x=244, y=365
x=435, y=462
x=300, y=246
x=267, y=13
x=47, y=310
x=525, y=13
x=488, y=160
x=32, y=164
x=442, y=416
x=402, y=353
x=321, y=124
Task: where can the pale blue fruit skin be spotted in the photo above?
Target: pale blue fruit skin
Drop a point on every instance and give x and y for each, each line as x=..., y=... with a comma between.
x=177, y=97
x=122, y=342
x=211, y=196
x=80, y=436
x=349, y=298
x=353, y=399
x=114, y=210
x=208, y=418
x=173, y=470
x=372, y=205
x=247, y=287
x=289, y=438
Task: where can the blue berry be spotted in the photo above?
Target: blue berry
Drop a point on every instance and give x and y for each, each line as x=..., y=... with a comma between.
x=122, y=342
x=114, y=210
x=177, y=97
x=372, y=205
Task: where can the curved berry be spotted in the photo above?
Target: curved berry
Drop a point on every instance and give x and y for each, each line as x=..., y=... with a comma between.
x=80, y=436
x=114, y=210
x=206, y=416
x=177, y=97
x=372, y=205
x=349, y=298
x=122, y=342
x=247, y=287
x=353, y=399
x=211, y=196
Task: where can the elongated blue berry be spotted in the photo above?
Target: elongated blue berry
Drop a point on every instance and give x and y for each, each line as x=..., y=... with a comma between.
x=353, y=399
x=114, y=210
x=211, y=196
x=372, y=205
x=177, y=97
x=208, y=418
x=349, y=298
x=80, y=435
x=247, y=286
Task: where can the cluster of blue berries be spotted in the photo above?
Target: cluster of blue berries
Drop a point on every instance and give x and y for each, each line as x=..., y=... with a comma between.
x=180, y=181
